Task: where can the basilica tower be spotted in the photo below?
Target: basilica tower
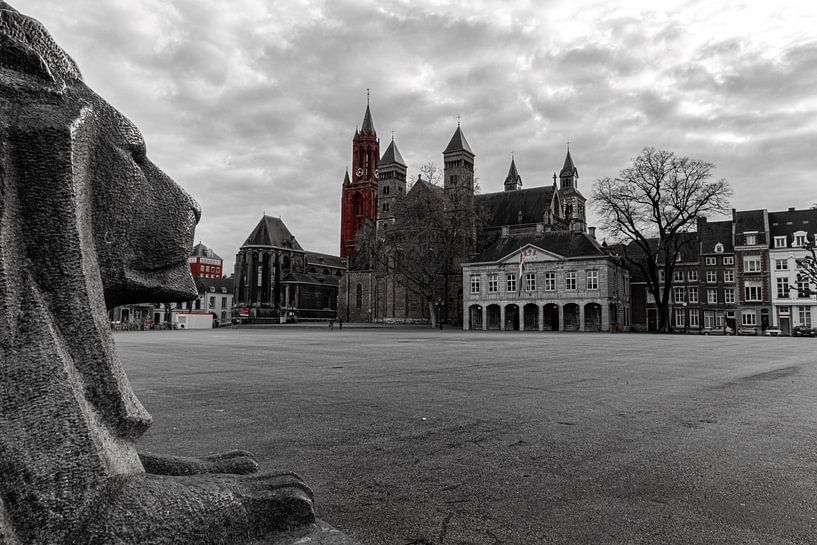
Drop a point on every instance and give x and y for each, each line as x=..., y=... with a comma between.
x=392, y=184
x=573, y=201
x=359, y=197
x=458, y=168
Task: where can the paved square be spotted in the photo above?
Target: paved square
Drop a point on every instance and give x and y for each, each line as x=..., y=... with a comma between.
x=427, y=437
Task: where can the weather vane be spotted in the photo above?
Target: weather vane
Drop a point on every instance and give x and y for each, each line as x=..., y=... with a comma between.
x=458, y=119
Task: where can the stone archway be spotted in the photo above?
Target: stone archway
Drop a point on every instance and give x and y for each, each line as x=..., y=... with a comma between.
x=512, y=317
x=530, y=313
x=475, y=317
x=571, y=317
x=550, y=319
x=592, y=317
x=494, y=317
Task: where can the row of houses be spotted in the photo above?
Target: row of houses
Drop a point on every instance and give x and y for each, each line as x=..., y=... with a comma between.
x=739, y=273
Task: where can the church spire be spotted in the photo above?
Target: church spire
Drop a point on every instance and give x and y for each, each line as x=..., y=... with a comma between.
x=513, y=181
x=368, y=124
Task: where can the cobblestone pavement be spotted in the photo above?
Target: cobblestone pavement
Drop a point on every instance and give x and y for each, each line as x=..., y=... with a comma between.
x=417, y=436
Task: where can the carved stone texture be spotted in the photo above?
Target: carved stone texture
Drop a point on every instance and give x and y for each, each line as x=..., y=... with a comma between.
x=87, y=221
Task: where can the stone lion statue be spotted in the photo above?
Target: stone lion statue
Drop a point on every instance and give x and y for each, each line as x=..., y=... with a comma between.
x=88, y=222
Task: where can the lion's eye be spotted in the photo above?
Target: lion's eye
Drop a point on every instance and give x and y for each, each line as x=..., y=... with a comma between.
x=139, y=154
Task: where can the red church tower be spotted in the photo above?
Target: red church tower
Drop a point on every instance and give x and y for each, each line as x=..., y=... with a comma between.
x=359, y=199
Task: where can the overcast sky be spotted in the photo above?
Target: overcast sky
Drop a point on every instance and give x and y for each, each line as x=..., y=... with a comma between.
x=251, y=104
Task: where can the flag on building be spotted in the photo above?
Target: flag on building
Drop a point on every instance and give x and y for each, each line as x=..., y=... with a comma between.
x=521, y=270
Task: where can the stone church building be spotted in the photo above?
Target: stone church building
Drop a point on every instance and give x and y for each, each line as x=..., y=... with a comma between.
x=377, y=184
x=277, y=281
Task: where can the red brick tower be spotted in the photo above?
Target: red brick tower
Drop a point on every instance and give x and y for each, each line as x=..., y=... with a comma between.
x=359, y=199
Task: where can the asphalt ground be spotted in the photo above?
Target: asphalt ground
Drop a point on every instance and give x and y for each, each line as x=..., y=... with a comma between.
x=417, y=436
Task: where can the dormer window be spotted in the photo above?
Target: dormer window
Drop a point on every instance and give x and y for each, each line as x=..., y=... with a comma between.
x=780, y=242
x=750, y=238
x=800, y=239
x=718, y=248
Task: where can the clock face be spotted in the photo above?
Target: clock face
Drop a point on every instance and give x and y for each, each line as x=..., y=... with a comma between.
x=360, y=172
x=376, y=172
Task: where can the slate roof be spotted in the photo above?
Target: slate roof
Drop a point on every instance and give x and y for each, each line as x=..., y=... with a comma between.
x=200, y=250
x=271, y=231
x=563, y=243
x=748, y=221
x=503, y=207
x=325, y=260
x=513, y=177
x=713, y=232
x=800, y=220
x=458, y=143
x=392, y=156
x=204, y=284
x=569, y=169
x=368, y=124
x=301, y=278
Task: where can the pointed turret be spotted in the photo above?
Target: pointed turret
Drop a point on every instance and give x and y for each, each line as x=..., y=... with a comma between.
x=346, y=180
x=368, y=124
x=392, y=156
x=513, y=181
x=569, y=169
x=458, y=143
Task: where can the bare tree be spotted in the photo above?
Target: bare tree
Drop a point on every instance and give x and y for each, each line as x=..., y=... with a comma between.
x=807, y=266
x=423, y=248
x=650, y=205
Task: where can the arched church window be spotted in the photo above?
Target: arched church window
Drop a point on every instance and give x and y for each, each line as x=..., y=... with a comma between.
x=358, y=296
x=285, y=263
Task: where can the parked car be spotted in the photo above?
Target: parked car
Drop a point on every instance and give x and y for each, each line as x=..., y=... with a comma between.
x=803, y=331
x=747, y=330
x=773, y=332
x=726, y=330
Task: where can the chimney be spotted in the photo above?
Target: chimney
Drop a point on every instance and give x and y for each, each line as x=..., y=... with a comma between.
x=791, y=209
x=701, y=223
x=592, y=231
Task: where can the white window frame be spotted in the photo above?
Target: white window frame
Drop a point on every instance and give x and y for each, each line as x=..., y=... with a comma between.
x=570, y=280
x=751, y=264
x=781, y=264
x=728, y=275
x=712, y=296
x=694, y=318
x=692, y=295
x=804, y=313
x=728, y=295
x=677, y=276
x=750, y=239
x=475, y=283
x=592, y=280
x=780, y=242
x=678, y=295
x=680, y=317
x=800, y=238
x=711, y=276
x=550, y=281
x=530, y=281
x=753, y=293
x=692, y=275
x=783, y=287
x=728, y=260
x=748, y=318
x=510, y=283
x=493, y=282
x=710, y=261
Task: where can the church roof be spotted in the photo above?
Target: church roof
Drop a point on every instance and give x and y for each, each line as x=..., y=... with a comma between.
x=325, y=260
x=392, y=156
x=458, y=143
x=503, y=207
x=271, y=231
x=563, y=243
x=513, y=176
x=569, y=169
x=301, y=278
x=368, y=124
x=200, y=250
